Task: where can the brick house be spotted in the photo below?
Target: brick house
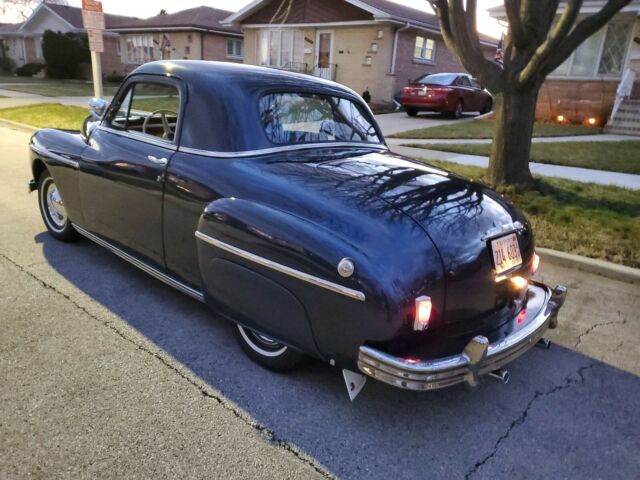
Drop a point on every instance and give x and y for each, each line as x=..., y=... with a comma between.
x=195, y=33
x=192, y=34
x=23, y=42
x=600, y=79
x=365, y=44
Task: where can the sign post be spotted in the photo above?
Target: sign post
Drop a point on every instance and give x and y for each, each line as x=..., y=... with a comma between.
x=93, y=21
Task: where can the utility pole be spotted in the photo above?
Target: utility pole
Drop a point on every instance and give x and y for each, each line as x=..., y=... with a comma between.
x=93, y=20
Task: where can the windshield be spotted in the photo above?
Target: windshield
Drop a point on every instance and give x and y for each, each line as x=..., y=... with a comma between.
x=438, y=79
x=295, y=118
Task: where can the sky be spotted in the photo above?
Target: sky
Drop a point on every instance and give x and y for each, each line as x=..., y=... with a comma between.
x=148, y=8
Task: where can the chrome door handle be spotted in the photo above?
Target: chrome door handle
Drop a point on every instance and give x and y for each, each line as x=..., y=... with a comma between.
x=158, y=161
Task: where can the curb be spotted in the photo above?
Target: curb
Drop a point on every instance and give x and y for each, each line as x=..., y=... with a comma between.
x=614, y=271
x=23, y=127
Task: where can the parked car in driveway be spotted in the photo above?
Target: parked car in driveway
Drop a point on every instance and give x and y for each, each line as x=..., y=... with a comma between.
x=273, y=198
x=448, y=93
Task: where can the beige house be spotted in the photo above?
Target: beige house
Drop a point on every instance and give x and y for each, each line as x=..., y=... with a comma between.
x=374, y=45
x=601, y=79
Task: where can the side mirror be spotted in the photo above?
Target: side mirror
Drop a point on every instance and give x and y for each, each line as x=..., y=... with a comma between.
x=97, y=107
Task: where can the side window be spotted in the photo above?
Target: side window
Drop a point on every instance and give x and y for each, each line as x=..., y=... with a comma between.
x=476, y=84
x=463, y=82
x=148, y=108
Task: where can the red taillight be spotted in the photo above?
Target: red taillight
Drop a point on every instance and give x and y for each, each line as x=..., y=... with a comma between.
x=535, y=263
x=440, y=90
x=423, y=313
x=521, y=316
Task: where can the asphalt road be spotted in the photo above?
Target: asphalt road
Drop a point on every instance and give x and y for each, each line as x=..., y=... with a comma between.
x=107, y=373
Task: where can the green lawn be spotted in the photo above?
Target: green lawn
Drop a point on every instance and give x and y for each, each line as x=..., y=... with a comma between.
x=612, y=156
x=484, y=129
x=47, y=115
x=53, y=88
x=582, y=218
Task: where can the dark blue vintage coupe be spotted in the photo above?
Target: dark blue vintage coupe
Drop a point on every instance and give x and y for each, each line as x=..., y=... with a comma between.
x=273, y=198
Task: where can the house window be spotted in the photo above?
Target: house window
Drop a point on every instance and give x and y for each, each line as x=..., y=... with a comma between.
x=235, y=48
x=189, y=38
x=187, y=50
x=602, y=54
x=139, y=49
x=280, y=48
x=425, y=49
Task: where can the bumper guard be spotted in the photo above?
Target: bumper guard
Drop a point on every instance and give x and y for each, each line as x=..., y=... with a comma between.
x=478, y=358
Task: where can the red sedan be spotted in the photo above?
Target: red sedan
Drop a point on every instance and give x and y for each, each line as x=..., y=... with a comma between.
x=448, y=93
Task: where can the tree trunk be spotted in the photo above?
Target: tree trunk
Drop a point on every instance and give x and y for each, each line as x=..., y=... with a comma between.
x=515, y=112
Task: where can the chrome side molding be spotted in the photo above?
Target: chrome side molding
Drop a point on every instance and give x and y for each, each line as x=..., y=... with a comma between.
x=305, y=277
x=172, y=282
x=283, y=148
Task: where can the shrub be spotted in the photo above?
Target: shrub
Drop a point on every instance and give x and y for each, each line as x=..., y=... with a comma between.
x=64, y=52
x=29, y=69
x=7, y=65
x=115, y=78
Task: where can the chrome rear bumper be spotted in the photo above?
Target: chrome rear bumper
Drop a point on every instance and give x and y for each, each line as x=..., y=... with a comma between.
x=479, y=357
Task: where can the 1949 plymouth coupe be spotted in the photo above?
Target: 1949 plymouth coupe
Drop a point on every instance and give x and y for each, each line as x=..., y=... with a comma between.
x=273, y=198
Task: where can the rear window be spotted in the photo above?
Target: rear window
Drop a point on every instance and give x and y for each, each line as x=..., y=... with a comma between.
x=296, y=118
x=438, y=79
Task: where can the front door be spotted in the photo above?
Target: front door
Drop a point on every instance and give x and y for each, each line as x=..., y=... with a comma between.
x=123, y=169
x=324, y=54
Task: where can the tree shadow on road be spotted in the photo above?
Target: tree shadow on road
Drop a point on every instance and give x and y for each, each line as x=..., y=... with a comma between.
x=562, y=414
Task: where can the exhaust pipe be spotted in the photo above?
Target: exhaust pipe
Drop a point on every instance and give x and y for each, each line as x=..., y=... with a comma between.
x=500, y=374
x=544, y=343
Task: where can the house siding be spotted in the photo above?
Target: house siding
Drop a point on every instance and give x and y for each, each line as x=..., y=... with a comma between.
x=310, y=11
x=214, y=47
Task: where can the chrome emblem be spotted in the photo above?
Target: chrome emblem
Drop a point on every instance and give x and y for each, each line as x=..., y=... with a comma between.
x=346, y=268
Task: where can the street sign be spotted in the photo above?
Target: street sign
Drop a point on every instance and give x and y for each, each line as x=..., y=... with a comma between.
x=96, y=44
x=92, y=16
x=93, y=21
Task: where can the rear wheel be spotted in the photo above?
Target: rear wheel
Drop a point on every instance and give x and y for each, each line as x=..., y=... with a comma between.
x=488, y=106
x=457, y=113
x=266, y=351
x=412, y=112
x=53, y=210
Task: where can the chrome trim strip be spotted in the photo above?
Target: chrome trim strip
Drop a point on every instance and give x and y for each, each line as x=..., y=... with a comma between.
x=58, y=158
x=172, y=282
x=305, y=277
x=141, y=138
x=284, y=148
x=447, y=371
x=503, y=230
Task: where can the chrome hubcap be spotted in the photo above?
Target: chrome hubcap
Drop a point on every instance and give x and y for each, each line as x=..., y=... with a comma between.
x=55, y=206
x=261, y=343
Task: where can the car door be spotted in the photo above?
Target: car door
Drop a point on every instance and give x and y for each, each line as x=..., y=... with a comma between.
x=123, y=169
x=463, y=85
x=480, y=96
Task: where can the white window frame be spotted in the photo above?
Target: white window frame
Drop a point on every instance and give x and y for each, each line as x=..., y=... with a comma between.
x=422, y=58
x=142, y=49
x=235, y=42
x=278, y=63
x=595, y=75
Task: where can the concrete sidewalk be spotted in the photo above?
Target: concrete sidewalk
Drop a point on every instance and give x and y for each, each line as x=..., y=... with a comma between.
x=17, y=99
x=577, y=138
x=600, y=177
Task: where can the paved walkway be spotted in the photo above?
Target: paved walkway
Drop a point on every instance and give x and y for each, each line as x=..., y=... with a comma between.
x=576, y=138
x=600, y=177
x=397, y=122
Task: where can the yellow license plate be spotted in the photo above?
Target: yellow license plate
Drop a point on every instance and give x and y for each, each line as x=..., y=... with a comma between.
x=506, y=253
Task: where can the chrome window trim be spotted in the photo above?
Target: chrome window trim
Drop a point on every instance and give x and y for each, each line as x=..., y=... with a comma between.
x=285, y=148
x=40, y=150
x=305, y=277
x=140, y=137
x=172, y=282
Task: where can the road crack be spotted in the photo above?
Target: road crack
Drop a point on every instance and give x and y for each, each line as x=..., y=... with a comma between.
x=598, y=325
x=569, y=381
x=266, y=433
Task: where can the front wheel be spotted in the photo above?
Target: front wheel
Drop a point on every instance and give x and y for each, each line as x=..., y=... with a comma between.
x=53, y=210
x=412, y=112
x=457, y=113
x=266, y=351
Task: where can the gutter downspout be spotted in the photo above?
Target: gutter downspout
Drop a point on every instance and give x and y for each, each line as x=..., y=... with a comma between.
x=395, y=47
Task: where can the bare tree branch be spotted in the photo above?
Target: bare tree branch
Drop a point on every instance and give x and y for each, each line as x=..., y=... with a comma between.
x=557, y=35
x=518, y=33
x=461, y=36
x=581, y=32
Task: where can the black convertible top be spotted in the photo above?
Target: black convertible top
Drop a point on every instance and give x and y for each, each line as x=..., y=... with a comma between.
x=222, y=112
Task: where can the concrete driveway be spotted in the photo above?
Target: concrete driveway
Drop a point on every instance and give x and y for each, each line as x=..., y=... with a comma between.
x=391, y=123
x=106, y=372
